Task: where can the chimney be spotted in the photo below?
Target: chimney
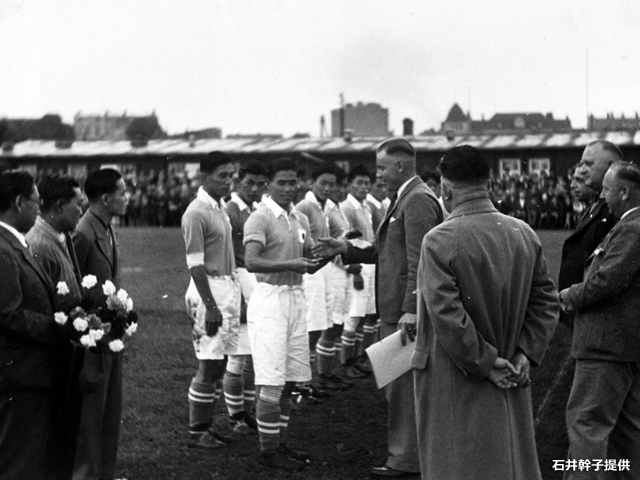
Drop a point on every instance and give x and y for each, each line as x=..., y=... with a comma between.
x=407, y=127
x=192, y=139
x=348, y=135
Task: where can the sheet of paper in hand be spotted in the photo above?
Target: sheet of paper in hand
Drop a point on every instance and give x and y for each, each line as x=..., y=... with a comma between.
x=390, y=359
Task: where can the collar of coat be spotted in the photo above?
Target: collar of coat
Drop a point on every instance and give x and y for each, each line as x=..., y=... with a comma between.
x=470, y=203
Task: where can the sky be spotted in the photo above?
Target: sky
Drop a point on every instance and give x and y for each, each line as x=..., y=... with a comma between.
x=277, y=66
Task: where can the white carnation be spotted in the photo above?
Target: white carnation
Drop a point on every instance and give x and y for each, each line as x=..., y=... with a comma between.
x=108, y=288
x=80, y=324
x=62, y=287
x=131, y=329
x=116, y=345
x=60, y=318
x=123, y=296
x=129, y=304
x=89, y=281
x=96, y=334
x=87, y=341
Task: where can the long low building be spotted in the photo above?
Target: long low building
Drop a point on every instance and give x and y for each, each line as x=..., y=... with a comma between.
x=524, y=153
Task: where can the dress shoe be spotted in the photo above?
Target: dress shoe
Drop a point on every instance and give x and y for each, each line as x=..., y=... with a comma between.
x=387, y=471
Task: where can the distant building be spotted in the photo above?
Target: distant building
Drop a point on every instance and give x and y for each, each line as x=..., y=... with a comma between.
x=363, y=119
x=459, y=123
x=610, y=122
x=256, y=136
x=202, y=134
x=109, y=127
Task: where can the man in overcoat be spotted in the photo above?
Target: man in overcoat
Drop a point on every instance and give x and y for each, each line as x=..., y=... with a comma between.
x=487, y=310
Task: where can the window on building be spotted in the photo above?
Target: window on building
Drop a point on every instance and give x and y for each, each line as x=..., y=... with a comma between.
x=539, y=165
x=510, y=167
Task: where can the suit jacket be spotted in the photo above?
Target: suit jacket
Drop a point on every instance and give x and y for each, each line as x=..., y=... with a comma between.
x=589, y=232
x=607, y=326
x=94, y=251
x=582, y=242
x=397, y=250
x=28, y=331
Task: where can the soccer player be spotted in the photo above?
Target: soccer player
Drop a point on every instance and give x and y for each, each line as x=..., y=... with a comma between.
x=278, y=244
x=317, y=206
x=239, y=384
x=358, y=333
x=213, y=296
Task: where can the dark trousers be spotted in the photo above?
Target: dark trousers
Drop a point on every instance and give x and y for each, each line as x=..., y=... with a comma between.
x=603, y=417
x=101, y=380
x=65, y=412
x=24, y=430
x=402, y=433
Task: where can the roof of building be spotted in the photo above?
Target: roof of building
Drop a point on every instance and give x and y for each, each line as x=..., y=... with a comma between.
x=319, y=146
x=456, y=114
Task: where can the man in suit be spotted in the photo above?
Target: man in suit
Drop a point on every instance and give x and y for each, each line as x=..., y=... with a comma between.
x=28, y=334
x=51, y=244
x=414, y=210
x=101, y=377
x=594, y=225
x=603, y=413
x=483, y=320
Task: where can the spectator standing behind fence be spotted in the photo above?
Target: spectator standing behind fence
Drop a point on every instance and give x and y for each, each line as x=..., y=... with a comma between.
x=52, y=247
x=28, y=335
x=101, y=377
x=479, y=333
x=603, y=413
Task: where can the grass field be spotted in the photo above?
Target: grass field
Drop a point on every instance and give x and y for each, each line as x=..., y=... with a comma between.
x=346, y=435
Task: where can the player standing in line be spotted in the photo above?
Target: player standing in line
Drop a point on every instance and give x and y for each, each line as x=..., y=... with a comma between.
x=239, y=384
x=277, y=241
x=213, y=296
x=358, y=333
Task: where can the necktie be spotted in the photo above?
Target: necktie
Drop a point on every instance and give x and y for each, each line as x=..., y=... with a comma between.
x=74, y=259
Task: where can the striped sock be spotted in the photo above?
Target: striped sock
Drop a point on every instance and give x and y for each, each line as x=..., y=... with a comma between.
x=326, y=351
x=233, y=396
x=268, y=417
x=285, y=414
x=359, y=338
x=369, y=333
x=338, y=349
x=249, y=391
x=348, y=346
x=201, y=403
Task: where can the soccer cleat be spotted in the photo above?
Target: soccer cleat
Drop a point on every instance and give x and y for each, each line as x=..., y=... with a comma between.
x=332, y=382
x=281, y=461
x=240, y=427
x=250, y=420
x=303, y=457
x=309, y=390
x=220, y=436
x=353, y=372
x=362, y=364
x=205, y=440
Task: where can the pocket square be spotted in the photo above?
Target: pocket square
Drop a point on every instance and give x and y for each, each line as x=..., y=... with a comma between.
x=392, y=219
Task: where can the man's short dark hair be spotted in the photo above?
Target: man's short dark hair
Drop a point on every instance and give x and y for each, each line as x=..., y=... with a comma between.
x=56, y=187
x=430, y=175
x=322, y=170
x=12, y=184
x=213, y=160
x=629, y=172
x=359, y=171
x=100, y=182
x=340, y=173
x=608, y=147
x=464, y=164
x=396, y=145
x=252, y=168
x=280, y=165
